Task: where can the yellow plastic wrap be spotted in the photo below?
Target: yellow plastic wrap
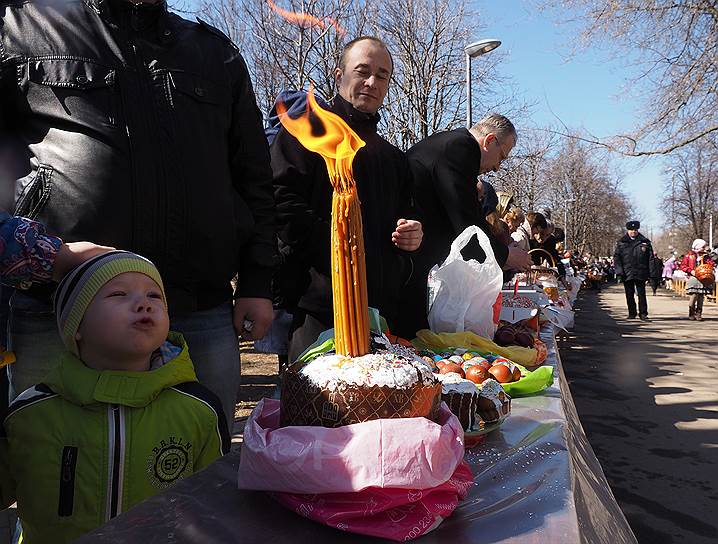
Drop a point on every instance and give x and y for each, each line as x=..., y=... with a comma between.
x=425, y=339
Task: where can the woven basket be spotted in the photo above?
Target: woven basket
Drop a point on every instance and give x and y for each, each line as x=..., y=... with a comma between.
x=538, y=271
x=704, y=274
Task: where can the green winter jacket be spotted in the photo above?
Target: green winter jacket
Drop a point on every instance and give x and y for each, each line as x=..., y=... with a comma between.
x=87, y=445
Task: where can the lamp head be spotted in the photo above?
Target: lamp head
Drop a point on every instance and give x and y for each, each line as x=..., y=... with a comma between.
x=482, y=46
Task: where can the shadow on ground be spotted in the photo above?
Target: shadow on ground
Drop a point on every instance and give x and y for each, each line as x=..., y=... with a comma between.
x=645, y=393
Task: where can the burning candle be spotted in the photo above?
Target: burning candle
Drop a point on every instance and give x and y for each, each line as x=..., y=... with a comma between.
x=338, y=146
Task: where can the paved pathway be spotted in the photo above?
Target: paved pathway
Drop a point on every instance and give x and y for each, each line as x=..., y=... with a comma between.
x=647, y=397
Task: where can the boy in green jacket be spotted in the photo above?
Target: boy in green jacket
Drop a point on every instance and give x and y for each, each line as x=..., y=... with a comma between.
x=120, y=418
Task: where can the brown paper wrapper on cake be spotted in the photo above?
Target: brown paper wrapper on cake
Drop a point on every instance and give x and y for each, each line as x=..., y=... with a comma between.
x=304, y=403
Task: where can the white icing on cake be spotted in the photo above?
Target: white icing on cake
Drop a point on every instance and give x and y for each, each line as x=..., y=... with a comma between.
x=382, y=369
x=491, y=389
x=452, y=382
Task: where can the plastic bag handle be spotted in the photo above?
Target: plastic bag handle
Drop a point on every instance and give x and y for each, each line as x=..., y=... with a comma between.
x=464, y=238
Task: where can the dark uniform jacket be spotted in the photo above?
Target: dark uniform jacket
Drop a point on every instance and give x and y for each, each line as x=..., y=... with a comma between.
x=304, y=195
x=632, y=257
x=130, y=126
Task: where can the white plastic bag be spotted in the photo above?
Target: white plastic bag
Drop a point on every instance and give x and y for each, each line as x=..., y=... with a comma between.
x=463, y=294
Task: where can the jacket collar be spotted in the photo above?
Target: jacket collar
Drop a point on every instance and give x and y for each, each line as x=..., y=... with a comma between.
x=84, y=386
x=640, y=238
x=361, y=122
x=141, y=15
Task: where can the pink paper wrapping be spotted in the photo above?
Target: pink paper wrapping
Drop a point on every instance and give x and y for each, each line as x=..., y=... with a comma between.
x=411, y=453
x=396, y=514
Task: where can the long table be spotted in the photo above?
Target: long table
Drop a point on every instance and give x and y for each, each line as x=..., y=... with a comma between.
x=536, y=480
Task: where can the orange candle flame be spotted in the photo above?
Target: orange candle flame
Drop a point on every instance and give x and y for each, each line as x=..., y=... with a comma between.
x=304, y=19
x=337, y=145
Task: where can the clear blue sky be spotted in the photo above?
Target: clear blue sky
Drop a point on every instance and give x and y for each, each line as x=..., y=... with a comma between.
x=584, y=91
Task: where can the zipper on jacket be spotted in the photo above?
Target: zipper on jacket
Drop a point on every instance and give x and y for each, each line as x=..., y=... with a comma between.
x=116, y=461
x=142, y=122
x=68, y=463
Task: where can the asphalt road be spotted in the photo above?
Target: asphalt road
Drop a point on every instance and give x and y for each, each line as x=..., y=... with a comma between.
x=647, y=397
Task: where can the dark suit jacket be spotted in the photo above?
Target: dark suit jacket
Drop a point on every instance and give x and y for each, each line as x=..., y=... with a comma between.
x=445, y=168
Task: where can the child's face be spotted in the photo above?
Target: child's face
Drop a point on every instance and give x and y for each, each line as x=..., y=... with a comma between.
x=127, y=319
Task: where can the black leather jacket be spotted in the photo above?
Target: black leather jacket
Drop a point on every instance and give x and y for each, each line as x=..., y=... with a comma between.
x=130, y=126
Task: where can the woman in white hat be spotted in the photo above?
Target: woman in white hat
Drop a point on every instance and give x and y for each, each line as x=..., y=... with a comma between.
x=695, y=288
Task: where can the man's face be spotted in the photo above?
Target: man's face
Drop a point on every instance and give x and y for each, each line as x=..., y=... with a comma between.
x=632, y=233
x=494, y=151
x=364, y=81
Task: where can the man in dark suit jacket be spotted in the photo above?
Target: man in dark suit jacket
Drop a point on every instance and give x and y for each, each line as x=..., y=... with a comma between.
x=445, y=167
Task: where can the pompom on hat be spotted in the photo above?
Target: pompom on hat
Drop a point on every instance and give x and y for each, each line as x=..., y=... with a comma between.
x=633, y=225
x=77, y=289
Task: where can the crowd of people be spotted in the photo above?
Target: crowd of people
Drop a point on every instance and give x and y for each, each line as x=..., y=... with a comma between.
x=124, y=124
x=636, y=265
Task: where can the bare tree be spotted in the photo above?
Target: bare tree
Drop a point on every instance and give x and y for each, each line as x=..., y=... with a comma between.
x=574, y=180
x=599, y=210
x=426, y=39
x=676, y=240
x=677, y=46
x=691, y=190
x=283, y=52
x=522, y=174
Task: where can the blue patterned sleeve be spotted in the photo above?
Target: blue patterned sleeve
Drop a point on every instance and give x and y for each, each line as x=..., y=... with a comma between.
x=27, y=253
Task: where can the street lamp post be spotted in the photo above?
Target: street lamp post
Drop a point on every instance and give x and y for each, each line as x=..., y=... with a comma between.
x=473, y=50
x=565, y=220
x=671, y=247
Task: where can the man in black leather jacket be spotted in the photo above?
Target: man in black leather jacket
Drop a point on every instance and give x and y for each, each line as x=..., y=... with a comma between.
x=304, y=194
x=632, y=259
x=125, y=124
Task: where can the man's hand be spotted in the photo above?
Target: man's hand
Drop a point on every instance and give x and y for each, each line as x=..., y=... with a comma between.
x=518, y=259
x=74, y=254
x=252, y=317
x=408, y=234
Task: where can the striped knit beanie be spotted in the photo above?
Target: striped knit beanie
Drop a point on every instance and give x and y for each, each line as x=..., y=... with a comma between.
x=76, y=290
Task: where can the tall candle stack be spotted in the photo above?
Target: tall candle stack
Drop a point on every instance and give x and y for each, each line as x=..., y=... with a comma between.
x=338, y=146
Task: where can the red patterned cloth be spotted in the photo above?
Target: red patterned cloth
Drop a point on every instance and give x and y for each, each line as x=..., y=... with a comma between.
x=395, y=514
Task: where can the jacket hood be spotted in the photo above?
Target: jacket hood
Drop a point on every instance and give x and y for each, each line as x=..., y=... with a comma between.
x=84, y=386
x=296, y=103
